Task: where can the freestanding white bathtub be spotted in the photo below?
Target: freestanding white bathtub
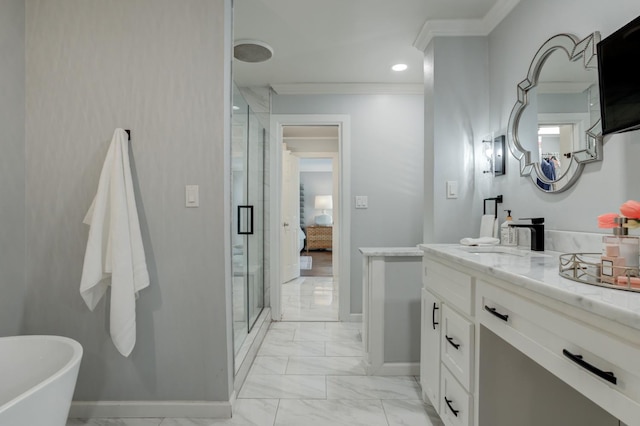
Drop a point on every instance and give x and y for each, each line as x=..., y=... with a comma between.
x=37, y=378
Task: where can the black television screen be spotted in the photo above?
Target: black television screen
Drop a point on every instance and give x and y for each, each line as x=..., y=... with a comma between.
x=619, y=78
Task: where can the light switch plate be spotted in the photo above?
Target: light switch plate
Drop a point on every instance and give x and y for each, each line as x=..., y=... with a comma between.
x=362, y=202
x=452, y=189
x=192, y=196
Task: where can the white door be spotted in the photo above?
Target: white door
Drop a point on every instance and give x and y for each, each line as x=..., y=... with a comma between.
x=290, y=217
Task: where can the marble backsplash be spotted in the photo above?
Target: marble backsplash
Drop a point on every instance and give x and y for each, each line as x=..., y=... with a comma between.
x=573, y=242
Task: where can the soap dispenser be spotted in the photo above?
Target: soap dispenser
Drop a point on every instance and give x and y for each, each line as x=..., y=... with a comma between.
x=508, y=234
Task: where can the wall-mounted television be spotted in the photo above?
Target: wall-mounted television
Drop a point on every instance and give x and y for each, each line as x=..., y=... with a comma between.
x=619, y=78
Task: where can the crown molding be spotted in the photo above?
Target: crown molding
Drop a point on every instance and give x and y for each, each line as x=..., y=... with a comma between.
x=464, y=27
x=348, y=89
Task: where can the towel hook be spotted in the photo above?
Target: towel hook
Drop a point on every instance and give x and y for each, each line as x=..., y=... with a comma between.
x=128, y=134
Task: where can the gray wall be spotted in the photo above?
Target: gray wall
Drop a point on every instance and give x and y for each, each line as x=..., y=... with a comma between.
x=12, y=220
x=386, y=165
x=159, y=68
x=511, y=46
x=315, y=183
x=456, y=97
x=603, y=186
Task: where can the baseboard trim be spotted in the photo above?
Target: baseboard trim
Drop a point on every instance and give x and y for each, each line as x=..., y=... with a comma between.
x=398, y=369
x=355, y=317
x=137, y=409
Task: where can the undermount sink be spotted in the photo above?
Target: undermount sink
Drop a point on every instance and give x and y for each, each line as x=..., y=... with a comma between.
x=501, y=250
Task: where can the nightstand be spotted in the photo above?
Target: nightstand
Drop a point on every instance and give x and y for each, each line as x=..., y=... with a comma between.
x=319, y=237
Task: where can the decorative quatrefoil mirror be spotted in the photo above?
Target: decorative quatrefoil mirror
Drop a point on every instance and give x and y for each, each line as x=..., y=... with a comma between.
x=554, y=127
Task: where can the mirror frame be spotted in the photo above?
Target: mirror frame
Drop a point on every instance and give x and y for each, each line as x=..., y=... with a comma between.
x=575, y=49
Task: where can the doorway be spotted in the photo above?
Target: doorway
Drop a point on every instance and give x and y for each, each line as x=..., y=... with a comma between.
x=316, y=214
x=319, y=139
x=310, y=292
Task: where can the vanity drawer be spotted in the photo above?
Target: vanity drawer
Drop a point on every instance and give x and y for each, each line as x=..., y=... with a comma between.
x=456, y=345
x=575, y=352
x=456, y=404
x=454, y=286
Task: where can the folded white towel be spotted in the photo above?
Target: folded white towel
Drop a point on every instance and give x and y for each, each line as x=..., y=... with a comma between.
x=487, y=225
x=114, y=247
x=482, y=241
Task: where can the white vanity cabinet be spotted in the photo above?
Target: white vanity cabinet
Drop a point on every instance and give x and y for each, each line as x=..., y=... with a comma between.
x=501, y=349
x=603, y=367
x=447, y=342
x=430, y=348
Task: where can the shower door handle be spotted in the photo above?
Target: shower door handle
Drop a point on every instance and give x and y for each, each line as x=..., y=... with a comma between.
x=245, y=217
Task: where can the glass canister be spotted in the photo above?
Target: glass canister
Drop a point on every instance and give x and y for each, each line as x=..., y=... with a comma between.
x=620, y=254
x=630, y=250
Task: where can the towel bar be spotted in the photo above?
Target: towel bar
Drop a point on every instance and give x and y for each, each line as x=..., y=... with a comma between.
x=497, y=200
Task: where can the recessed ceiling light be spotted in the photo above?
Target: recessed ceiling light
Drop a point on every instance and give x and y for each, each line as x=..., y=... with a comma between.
x=399, y=67
x=252, y=51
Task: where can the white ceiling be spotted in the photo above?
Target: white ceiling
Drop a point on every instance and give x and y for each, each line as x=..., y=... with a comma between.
x=349, y=46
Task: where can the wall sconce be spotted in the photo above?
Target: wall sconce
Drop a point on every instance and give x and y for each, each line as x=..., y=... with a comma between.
x=487, y=151
x=499, y=155
x=494, y=151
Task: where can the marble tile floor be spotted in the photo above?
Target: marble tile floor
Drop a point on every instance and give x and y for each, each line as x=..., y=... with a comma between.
x=312, y=374
x=310, y=299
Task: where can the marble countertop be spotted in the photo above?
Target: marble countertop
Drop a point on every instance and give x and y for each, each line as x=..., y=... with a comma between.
x=538, y=272
x=391, y=251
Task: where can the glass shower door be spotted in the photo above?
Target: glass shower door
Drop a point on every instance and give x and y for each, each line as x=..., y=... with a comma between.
x=240, y=129
x=255, y=192
x=247, y=193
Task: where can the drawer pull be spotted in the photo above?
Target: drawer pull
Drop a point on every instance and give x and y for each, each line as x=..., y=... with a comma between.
x=449, y=401
x=607, y=375
x=450, y=340
x=493, y=312
x=433, y=315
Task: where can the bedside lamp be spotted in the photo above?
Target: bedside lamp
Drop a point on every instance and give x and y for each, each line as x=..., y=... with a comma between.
x=324, y=203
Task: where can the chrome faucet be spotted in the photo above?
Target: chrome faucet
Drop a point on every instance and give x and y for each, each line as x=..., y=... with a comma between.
x=537, y=231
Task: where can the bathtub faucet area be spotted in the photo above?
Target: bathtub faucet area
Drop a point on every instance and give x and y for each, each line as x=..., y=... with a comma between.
x=39, y=376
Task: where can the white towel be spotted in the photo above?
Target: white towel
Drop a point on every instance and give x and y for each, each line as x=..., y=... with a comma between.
x=114, y=247
x=482, y=241
x=487, y=225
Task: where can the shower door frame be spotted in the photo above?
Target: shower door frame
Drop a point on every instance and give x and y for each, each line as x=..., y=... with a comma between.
x=248, y=222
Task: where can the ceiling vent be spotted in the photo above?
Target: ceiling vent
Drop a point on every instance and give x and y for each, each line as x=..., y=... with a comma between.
x=252, y=51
